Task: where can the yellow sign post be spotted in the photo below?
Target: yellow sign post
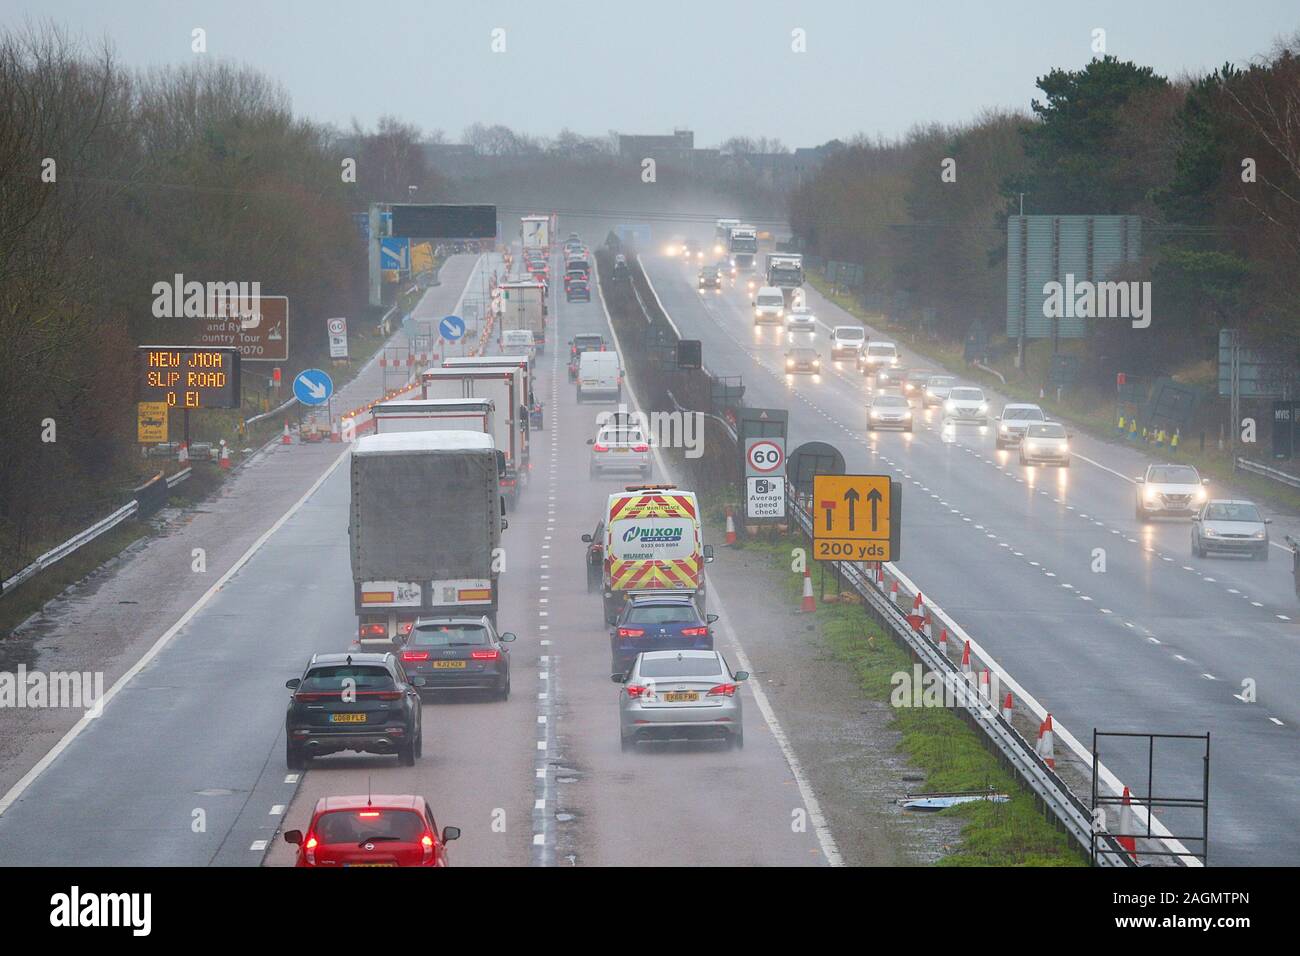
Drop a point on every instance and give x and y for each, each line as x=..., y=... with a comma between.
x=856, y=518
x=151, y=423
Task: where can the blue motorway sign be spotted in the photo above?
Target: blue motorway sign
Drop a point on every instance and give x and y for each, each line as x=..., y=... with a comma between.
x=394, y=253
x=313, y=387
x=451, y=328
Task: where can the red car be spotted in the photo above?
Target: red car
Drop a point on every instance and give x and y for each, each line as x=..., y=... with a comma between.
x=378, y=830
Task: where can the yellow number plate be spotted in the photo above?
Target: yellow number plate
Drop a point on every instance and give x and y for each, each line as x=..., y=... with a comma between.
x=450, y=665
x=678, y=697
x=347, y=718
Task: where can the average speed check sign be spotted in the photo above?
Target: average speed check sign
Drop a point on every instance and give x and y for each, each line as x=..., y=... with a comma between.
x=856, y=518
x=764, y=457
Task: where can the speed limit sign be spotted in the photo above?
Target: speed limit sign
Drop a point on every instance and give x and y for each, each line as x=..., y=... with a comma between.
x=764, y=457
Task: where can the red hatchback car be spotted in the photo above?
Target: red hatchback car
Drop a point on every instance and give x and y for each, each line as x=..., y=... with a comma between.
x=378, y=830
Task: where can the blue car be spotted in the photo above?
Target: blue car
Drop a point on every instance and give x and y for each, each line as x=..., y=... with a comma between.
x=658, y=621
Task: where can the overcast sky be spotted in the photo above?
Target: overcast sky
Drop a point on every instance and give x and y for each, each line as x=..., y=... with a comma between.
x=720, y=68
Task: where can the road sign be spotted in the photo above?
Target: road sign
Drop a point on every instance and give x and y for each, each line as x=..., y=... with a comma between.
x=444, y=221
x=313, y=387
x=258, y=326
x=395, y=254
x=765, y=497
x=451, y=328
x=338, y=335
x=856, y=518
x=810, y=459
x=764, y=457
x=189, y=377
x=151, y=423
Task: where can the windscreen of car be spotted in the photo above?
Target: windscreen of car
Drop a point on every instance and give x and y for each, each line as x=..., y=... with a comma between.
x=709, y=667
x=448, y=635
x=362, y=826
x=663, y=614
x=851, y=334
x=889, y=401
x=1023, y=413
x=1232, y=512
x=941, y=381
x=966, y=395
x=880, y=350
x=771, y=300
x=628, y=437
x=803, y=355
x=1046, y=430
x=331, y=677
x=1174, y=475
x=588, y=342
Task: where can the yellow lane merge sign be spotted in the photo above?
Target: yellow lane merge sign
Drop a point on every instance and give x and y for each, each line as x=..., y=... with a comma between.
x=856, y=518
x=151, y=423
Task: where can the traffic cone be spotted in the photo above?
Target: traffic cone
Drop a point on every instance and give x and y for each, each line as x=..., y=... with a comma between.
x=880, y=575
x=808, y=603
x=893, y=592
x=929, y=622
x=335, y=435
x=183, y=453
x=918, y=603
x=965, y=659
x=943, y=640
x=1127, y=829
x=225, y=456
x=731, y=528
x=984, y=683
x=1047, y=743
x=1008, y=707
x=285, y=439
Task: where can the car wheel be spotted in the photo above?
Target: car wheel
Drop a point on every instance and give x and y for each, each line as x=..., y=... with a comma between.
x=503, y=693
x=1066, y=463
x=997, y=444
x=908, y=428
x=1262, y=554
x=1140, y=513
x=406, y=754
x=1023, y=460
x=624, y=744
x=737, y=739
x=579, y=394
x=419, y=742
x=1196, y=547
x=591, y=470
x=294, y=758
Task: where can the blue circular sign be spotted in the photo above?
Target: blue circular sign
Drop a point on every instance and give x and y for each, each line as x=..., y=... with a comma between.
x=313, y=387
x=451, y=328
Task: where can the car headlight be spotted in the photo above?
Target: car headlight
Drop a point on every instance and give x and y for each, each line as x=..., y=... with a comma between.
x=1200, y=493
x=907, y=414
x=1211, y=533
x=1031, y=446
x=950, y=405
x=1152, y=495
x=1003, y=428
x=1259, y=535
x=983, y=408
x=875, y=413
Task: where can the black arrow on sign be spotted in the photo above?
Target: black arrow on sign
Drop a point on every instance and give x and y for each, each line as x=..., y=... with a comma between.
x=852, y=496
x=874, y=497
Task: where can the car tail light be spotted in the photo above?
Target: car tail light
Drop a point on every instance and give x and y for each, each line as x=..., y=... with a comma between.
x=488, y=655
x=723, y=690
x=640, y=447
x=600, y=447
x=635, y=690
x=426, y=843
x=631, y=632
x=309, y=850
x=695, y=631
x=369, y=814
x=385, y=694
x=415, y=655
x=374, y=630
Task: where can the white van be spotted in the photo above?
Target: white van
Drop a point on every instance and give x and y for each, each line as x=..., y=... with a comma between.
x=519, y=342
x=769, y=305
x=878, y=355
x=599, y=374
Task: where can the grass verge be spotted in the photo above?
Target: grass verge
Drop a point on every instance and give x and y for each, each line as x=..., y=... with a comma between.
x=952, y=755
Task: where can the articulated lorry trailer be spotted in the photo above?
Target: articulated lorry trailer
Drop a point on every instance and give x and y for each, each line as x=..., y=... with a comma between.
x=743, y=247
x=523, y=306
x=424, y=530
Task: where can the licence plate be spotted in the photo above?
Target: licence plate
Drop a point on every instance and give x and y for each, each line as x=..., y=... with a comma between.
x=681, y=696
x=621, y=450
x=347, y=718
x=369, y=864
x=449, y=665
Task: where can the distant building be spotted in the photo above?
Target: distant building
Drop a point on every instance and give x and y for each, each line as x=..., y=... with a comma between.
x=679, y=146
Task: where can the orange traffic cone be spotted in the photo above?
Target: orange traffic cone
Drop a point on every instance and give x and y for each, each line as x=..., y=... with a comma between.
x=1127, y=829
x=1047, y=743
x=984, y=683
x=880, y=575
x=943, y=640
x=183, y=454
x=893, y=591
x=335, y=434
x=808, y=603
x=224, y=461
x=731, y=528
x=965, y=659
x=1008, y=708
x=918, y=603
x=285, y=439
x=929, y=622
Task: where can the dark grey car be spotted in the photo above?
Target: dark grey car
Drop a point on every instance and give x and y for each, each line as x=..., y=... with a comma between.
x=459, y=653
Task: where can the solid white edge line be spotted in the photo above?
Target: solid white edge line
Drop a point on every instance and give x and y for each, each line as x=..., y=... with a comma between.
x=29, y=778
x=658, y=301
x=1085, y=755
x=824, y=836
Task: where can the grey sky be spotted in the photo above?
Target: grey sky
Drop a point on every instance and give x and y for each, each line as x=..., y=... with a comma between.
x=720, y=68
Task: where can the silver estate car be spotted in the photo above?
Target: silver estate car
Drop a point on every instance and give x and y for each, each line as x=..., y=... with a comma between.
x=684, y=694
x=1235, y=527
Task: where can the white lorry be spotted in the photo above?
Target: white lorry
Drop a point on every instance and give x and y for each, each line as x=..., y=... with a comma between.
x=535, y=233
x=523, y=306
x=743, y=247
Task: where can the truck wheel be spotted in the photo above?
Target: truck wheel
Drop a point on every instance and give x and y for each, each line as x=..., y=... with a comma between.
x=406, y=754
x=294, y=758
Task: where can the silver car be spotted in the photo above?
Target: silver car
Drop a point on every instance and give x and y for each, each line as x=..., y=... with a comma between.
x=669, y=695
x=966, y=404
x=938, y=389
x=889, y=411
x=620, y=448
x=1013, y=421
x=1235, y=527
x=801, y=322
x=1170, y=490
x=1046, y=443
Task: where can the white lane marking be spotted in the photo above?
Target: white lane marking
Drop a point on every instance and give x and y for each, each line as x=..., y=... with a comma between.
x=52, y=754
x=276, y=810
x=258, y=846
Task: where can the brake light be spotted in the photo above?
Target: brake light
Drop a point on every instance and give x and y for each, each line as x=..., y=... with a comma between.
x=695, y=631
x=488, y=655
x=600, y=447
x=723, y=690
x=635, y=690
x=631, y=632
x=426, y=843
x=368, y=814
x=309, y=850
x=415, y=655
x=387, y=694
x=640, y=447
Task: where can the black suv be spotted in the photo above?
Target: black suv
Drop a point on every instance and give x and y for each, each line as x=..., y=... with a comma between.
x=360, y=702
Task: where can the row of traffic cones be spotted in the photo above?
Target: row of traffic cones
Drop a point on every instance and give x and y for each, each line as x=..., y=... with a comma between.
x=223, y=458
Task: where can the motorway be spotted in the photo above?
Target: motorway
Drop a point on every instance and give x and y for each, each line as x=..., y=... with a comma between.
x=186, y=764
x=1159, y=642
